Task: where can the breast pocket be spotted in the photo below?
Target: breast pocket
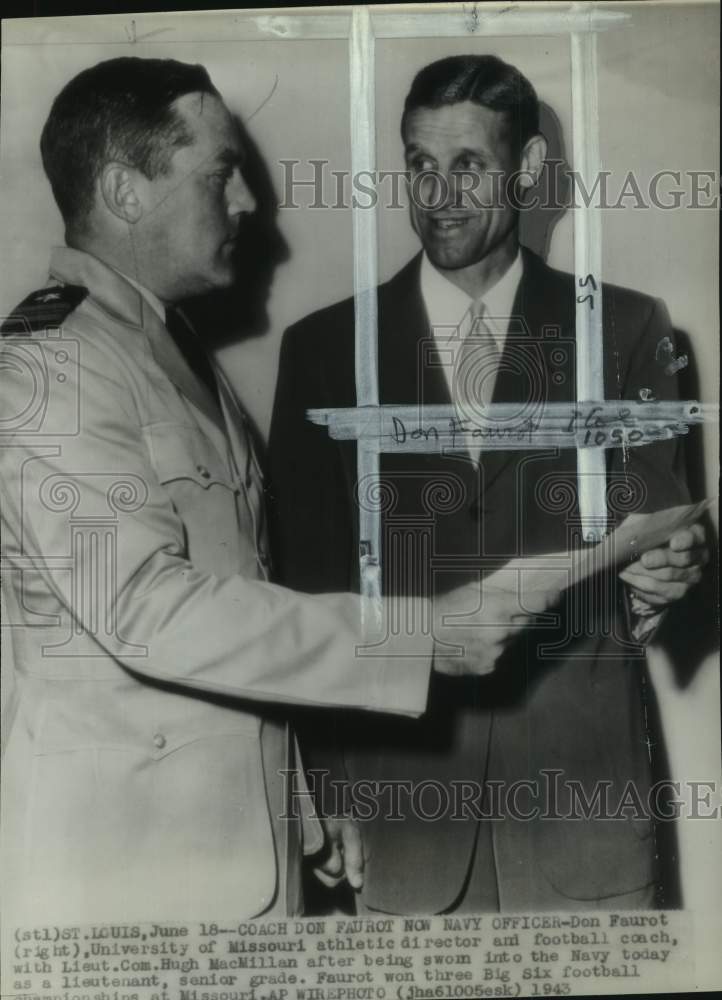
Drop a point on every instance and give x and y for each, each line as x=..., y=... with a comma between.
x=182, y=452
x=203, y=491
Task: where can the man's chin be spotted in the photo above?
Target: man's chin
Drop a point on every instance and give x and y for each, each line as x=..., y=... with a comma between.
x=225, y=276
x=207, y=285
x=447, y=260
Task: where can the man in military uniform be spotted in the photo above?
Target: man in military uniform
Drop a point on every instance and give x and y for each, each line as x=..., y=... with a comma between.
x=144, y=747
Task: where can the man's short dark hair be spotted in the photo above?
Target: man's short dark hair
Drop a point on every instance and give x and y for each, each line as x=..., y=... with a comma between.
x=485, y=80
x=117, y=110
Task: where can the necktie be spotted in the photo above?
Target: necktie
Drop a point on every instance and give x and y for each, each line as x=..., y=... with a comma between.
x=477, y=365
x=189, y=344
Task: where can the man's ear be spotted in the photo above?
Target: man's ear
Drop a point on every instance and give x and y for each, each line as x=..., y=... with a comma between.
x=533, y=155
x=117, y=185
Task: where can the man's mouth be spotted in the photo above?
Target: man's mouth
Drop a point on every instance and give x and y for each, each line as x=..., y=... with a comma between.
x=449, y=223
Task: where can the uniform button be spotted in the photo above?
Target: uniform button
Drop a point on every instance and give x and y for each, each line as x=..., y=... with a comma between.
x=159, y=740
x=203, y=471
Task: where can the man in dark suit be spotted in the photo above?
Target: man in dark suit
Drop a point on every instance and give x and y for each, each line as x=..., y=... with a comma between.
x=489, y=818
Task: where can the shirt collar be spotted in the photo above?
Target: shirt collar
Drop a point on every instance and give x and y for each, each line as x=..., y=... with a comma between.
x=109, y=289
x=446, y=304
x=150, y=297
x=123, y=299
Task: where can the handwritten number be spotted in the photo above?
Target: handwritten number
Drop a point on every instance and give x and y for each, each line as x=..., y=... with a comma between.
x=586, y=298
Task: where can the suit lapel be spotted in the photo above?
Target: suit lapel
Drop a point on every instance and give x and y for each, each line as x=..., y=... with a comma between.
x=411, y=373
x=406, y=363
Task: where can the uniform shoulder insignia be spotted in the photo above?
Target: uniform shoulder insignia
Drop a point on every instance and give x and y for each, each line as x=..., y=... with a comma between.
x=47, y=307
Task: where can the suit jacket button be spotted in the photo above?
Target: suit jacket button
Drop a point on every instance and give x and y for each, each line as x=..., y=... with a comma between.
x=159, y=740
x=203, y=471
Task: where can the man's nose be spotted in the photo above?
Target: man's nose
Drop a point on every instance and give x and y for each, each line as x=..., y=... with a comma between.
x=442, y=189
x=239, y=195
x=457, y=187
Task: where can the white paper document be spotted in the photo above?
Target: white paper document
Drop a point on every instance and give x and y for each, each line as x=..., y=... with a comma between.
x=637, y=534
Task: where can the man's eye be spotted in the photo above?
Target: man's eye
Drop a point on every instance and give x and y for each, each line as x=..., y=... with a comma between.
x=221, y=177
x=469, y=163
x=420, y=164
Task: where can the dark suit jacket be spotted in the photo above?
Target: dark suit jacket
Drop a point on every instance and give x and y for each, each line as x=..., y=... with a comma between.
x=572, y=699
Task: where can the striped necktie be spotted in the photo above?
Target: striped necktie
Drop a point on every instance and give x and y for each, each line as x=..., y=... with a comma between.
x=477, y=365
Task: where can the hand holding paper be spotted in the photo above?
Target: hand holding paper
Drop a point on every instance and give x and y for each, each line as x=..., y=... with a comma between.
x=667, y=552
x=666, y=573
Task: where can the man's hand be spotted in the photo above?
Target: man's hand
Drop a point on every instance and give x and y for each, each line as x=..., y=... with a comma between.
x=342, y=855
x=664, y=575
x=499, y=616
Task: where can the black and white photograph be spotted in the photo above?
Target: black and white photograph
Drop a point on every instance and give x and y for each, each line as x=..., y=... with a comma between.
x=359, y=385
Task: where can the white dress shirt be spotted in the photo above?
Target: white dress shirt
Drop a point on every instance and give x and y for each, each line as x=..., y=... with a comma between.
x=447, y=309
